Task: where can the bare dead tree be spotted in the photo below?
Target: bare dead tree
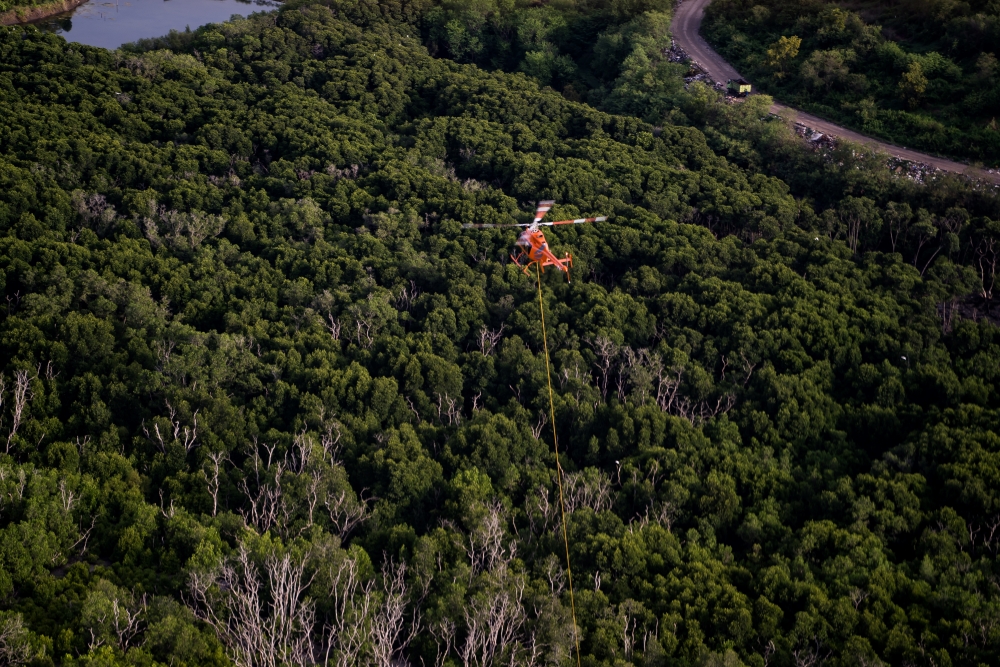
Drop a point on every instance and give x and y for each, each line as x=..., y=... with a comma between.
x=488, y=339
x=448, y=408
x=164, y=349
x=390, y=633
x=991, y=539
x=299, y=454
x=346, y=512
x=621, y=381
x=495, y=626
x=413, y=408
x=260, y=613
x=114, y=616
x=858, y=596
x=588, y=489
x=22, y=482
x=487, y=546
x=67, y=497
x=81, y=444
x=810, y=655
x=543, y=419
x=987, y=255
x=216, y=459
x=312, y=495
x=629, y=625
x=369, y=624
x=266, y=499
x=167, y=513
x=660, y=513
x=443, y=632
x=22, y=396
x=668, y=384
x=348, y=631
x=332, y=325
x=84, y=536
x=606, y=351
x=647, y=376
x=3, y=403
x=126, y=619
x=14, y=646
x=178, y=229
x=555, y=573
x=367, y=318
x=407, y=296
x=769, y=650
x=747, y=369
x=182, y=434
x=329, y=440
x=542, y=511
x=567, y=373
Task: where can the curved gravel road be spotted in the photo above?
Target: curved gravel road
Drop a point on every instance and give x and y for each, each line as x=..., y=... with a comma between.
x=686, y=25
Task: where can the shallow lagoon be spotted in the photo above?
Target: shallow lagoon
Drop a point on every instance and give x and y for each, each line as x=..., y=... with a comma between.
x=111, y=23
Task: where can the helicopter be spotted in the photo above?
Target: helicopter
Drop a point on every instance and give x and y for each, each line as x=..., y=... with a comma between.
x=532, y=248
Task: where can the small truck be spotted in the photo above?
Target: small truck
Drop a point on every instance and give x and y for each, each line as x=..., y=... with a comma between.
x=738, y=87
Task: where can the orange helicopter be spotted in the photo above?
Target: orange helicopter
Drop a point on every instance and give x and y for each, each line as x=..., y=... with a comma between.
x=532, y=248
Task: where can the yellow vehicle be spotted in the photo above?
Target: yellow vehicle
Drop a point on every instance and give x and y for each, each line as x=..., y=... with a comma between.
x=738, y=87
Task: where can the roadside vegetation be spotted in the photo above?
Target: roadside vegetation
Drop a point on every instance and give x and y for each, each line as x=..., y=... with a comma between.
x=920, y=74
x=264, y=402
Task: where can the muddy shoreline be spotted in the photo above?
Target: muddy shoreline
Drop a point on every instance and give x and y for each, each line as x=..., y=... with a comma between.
x=39, y=12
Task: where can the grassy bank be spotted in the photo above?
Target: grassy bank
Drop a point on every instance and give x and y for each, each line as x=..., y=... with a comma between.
x=13, y=12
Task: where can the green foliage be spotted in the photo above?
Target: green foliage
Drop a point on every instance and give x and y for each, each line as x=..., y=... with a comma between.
x=9, y=5
x=920, y=74
x=249, y=349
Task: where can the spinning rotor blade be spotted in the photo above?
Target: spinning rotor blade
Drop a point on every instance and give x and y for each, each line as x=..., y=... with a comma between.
x=578, y=221
x=488, y=225
x=543, y=208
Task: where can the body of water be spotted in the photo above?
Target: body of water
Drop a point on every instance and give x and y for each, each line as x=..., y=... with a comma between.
x=111, y=23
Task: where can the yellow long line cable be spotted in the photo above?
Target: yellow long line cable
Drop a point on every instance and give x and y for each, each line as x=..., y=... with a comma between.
x=555, y=444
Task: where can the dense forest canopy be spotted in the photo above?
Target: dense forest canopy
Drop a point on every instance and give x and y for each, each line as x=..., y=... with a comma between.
x=265, y=402
x=920, y=73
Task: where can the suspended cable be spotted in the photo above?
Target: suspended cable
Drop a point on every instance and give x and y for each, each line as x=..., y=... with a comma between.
x=559, y=476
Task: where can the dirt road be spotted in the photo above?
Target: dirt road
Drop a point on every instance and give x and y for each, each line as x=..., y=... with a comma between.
x=686, y=25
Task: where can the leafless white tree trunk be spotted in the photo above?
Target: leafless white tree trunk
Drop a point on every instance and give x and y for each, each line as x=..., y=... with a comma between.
x=263, y=621
x=346, y=513
x=591, y=489
x=126, y=619
x=216, y=459
x=14, y=647
x=22, y=395
x=606, y=351
x=487, y=546
x=266, y=502
x=543, y=419
x=348, y=631
x=370, y=625
x=332, y=325
x=390, y=635
x=185, y=436
x=488, y=339
x=330, y=440
x=494, y=625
